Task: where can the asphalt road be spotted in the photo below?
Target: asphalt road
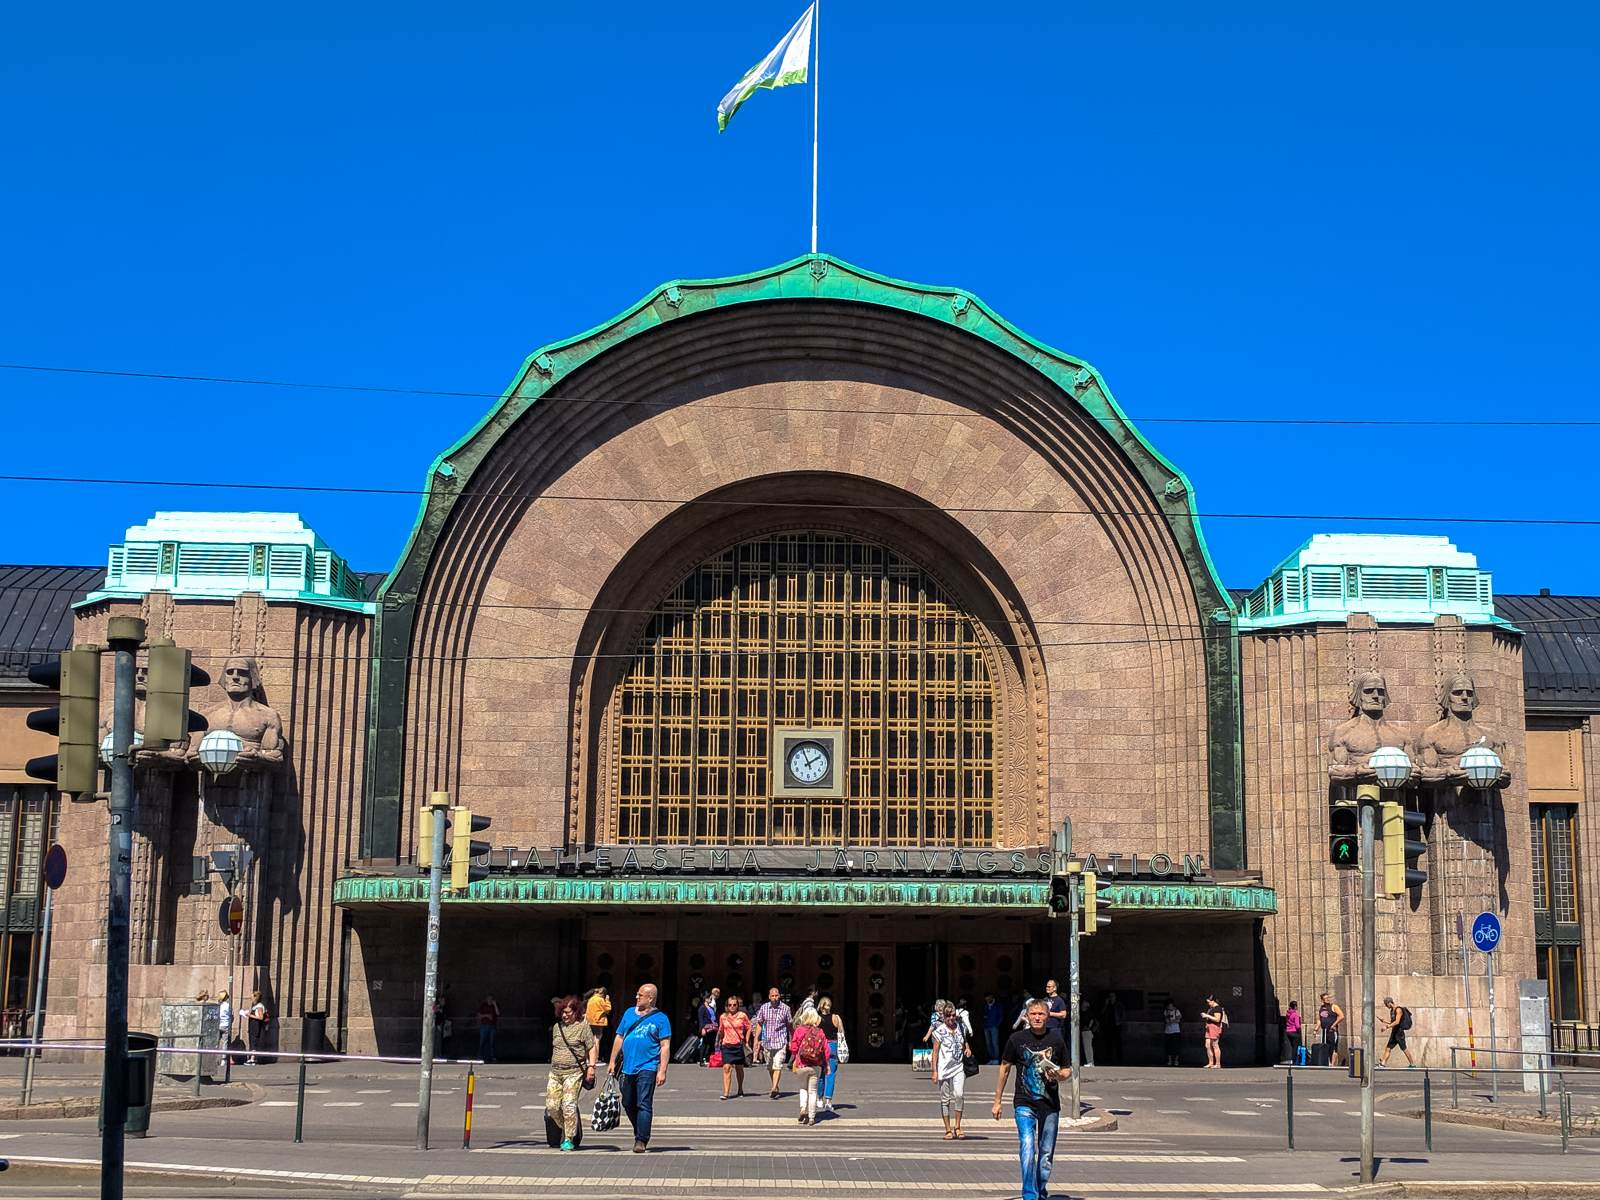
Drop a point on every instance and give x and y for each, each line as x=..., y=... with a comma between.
x=1185, y=1133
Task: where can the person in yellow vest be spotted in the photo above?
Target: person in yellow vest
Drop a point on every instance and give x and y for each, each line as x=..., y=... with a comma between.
x=597, y=1014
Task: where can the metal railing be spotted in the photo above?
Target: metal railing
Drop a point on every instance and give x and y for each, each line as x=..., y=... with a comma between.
x=1562, y=1080
x=82, y=1047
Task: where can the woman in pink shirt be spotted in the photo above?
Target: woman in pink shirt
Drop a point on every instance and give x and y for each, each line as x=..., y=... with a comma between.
x=1291, y=1030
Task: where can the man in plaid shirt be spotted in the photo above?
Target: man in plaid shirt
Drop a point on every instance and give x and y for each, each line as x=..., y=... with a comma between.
x=775, y=1022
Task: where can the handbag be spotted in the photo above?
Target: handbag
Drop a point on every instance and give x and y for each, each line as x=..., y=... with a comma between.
x=969, y=1064
x=843, y=1049
x=607, y=1112
x=588, y=1079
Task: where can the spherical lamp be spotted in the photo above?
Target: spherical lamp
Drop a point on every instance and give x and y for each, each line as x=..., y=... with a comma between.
x=105, y=746
x=1391, y=765
x=1481, y=766
x=219, y=751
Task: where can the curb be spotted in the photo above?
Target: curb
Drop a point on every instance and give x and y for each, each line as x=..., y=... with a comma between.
x=1465, y=1188
x=89, y=1106
x=1584, y=1127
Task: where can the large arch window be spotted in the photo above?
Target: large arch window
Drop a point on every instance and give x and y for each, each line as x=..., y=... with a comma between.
x=816, y=629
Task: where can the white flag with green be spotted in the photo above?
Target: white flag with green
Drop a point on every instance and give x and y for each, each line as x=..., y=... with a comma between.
x=785, y=65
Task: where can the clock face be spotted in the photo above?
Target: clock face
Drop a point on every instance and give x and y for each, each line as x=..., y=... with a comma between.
x=808, y=762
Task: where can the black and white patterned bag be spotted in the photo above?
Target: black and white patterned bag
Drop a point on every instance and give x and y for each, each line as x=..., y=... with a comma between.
x=607, y=1112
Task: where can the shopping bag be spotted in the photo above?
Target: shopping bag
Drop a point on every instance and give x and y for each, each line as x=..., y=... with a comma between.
x=843, y=1049
x=607, y=1111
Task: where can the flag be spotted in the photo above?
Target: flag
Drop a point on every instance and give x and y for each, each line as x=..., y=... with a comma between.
x=785, y=65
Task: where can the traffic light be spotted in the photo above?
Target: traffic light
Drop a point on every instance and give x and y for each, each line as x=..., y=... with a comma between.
x=424, y=840
x=1400, y=850
x=425, y=817
x=167, y=717
x=75, y=676
x=1344, y=833
x=462, y=849
x=1060, y=893
x=1093, y=919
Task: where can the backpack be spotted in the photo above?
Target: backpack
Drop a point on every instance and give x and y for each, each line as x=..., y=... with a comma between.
x=811, y=1049
x=1405, y=1019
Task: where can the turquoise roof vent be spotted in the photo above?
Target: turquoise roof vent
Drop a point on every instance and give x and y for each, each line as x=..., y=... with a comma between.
x=199, y=555
x=1393, y=577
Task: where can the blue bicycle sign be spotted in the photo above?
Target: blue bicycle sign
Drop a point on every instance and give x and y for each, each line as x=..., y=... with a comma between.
x=1486, y=932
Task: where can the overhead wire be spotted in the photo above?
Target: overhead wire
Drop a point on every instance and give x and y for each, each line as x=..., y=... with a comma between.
x=1209, y=634
x=805, y=505
x=374, y=389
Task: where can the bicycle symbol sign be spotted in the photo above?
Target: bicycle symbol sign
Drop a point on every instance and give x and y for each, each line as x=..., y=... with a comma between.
x=1486, y=932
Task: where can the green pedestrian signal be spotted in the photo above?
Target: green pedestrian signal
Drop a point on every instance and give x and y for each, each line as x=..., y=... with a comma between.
x=1344, y=834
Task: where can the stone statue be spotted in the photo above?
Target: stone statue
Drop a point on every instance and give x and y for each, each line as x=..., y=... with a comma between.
x=1352, y=742
x=1440, y=745
x=171, y=758
x=258, y=726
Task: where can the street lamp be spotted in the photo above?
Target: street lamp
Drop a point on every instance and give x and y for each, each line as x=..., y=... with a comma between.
x=1481, y=766
x=138, y=741
x=219, y=751
x=1391, y=765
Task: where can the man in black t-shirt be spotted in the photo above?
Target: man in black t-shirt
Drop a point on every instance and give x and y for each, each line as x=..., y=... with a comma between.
x=1055, y=1007
x=1040, y=1057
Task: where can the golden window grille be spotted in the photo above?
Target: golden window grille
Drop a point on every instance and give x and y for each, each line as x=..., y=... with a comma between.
x=819, y=630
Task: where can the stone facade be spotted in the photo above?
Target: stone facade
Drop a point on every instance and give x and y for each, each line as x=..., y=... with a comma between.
x=300, y=818
x=1296, y=689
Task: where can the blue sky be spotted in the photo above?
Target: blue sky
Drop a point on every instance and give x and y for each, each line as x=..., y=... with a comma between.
x=1243, y=210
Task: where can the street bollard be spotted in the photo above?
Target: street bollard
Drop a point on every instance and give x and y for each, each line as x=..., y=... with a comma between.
x=1565, y=1102
x=1542, y=1089
x=300, y=1105
x=466, y=1128
x=1427, y=1110
x=1288, y=1106
x=1455, y=1094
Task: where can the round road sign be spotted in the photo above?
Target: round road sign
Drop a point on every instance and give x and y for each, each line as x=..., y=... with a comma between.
x=235, y=915
x=1486, y=932
x=55, y=866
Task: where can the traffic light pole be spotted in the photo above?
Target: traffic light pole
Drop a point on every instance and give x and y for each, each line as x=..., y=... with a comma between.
x=1369, y=971
x=430, y=986
x=126, y=633
x=1072, y=996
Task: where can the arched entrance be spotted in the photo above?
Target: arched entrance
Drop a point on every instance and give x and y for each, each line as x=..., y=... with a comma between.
x=815, y=629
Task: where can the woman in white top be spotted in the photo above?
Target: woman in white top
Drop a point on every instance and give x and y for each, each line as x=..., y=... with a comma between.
x=950, y=1047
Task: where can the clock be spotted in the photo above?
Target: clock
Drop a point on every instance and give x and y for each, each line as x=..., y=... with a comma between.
x=808, y=762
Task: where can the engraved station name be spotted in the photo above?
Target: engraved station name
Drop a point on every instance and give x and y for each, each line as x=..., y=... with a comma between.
x=833, y=861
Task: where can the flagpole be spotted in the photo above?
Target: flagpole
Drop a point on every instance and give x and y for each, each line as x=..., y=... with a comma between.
x=816, y=104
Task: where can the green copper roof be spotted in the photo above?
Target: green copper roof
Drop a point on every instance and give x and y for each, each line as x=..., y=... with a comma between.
x=205, y=555
x=1393, y=577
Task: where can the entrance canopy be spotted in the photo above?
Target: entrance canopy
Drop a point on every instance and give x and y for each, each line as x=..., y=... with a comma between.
x=1029, y=897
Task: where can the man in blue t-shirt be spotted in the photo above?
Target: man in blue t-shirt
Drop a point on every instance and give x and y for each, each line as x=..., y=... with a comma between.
x=643, y=1041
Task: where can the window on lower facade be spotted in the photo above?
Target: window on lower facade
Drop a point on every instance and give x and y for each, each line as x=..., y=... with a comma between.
x=1558, y=932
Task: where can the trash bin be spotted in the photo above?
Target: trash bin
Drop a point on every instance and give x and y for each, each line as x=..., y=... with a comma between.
x=141, y=1069
x=314, y=1033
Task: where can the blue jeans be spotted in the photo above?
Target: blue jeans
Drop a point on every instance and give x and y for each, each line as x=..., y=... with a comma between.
x=1036, y=1148
x=826, y=1090
x=638, y=1101
x=991, y=1041
x=486, y=1042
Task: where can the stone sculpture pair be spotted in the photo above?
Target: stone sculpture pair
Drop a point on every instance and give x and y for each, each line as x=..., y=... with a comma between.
x=257, y=724
x=1435, y=751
